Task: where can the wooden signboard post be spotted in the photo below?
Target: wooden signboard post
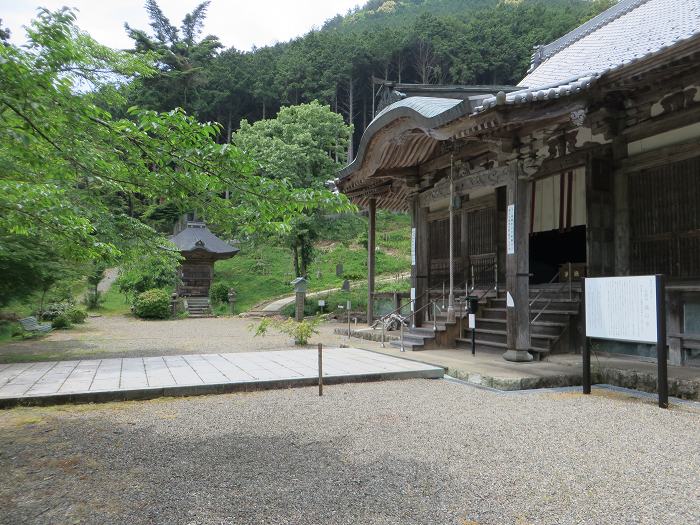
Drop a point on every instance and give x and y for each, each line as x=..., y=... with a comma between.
x=631, y=309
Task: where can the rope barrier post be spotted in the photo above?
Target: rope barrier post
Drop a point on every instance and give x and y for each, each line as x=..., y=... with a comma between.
x=320, y=369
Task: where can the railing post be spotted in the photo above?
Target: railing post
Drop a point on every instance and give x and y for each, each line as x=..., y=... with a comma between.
x=383, y=330
x=434, y=318
x=402, y=347
x=471, y=271
x=495, y=276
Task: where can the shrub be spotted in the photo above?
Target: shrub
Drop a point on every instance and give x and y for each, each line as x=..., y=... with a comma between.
x=152, y=304
x=218, y=293
x=300, y=331
x=53, y=310
x=93, y=299
x=61, y=321
x=76, y=315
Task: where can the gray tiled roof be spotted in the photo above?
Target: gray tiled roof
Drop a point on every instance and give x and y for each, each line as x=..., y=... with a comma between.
x=640, y=28
x=627, y=32
x=427, y=106
x=196, y=236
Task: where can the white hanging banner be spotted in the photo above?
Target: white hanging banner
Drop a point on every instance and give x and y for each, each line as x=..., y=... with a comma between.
x=413, y=246
x=413, y=299
x=509, y=300
x=510, y=230
x=621, y=308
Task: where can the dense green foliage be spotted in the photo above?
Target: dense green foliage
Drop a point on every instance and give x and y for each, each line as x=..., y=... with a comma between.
x=152, y=304
x=82, y=174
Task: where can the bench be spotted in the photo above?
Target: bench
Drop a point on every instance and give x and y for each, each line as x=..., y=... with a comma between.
x=30, y=324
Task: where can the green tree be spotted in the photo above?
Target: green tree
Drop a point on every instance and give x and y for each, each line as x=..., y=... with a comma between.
x=182, y=59
x=299, y=146
x=68, y=168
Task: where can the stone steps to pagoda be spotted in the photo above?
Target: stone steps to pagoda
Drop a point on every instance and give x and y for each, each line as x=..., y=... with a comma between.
x=198, y=307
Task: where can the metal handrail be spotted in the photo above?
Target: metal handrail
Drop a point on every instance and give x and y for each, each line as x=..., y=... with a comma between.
x=550, y=301
x=413, y=313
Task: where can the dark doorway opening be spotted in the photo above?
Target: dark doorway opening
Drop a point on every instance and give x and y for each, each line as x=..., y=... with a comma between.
x=550, y=249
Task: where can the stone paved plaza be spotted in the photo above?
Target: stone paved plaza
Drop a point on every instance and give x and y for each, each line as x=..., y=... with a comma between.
x=123, y=378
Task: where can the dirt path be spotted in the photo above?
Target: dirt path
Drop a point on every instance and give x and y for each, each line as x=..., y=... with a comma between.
x=276, y=306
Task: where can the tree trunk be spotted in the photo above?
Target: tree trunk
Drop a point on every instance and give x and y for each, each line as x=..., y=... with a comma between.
x=351, y=114
x=229, y=126
x=295, y=257
x=264, y=109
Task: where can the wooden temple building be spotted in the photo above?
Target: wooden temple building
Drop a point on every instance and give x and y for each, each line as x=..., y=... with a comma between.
x=200, y=249
x=590, y=167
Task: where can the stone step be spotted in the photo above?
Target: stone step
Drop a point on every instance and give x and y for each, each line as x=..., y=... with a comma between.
x=411, y=347
x=547, y=316
x=492, y=345
x=538, y=327
x=500, y=336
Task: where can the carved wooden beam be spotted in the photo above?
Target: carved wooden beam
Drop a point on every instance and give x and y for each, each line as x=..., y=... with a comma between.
x=466, y=182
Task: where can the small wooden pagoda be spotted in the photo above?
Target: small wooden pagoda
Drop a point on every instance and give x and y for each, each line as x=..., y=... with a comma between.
x=201, y=249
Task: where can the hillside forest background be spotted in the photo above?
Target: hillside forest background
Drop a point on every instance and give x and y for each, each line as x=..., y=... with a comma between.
x=97, y=170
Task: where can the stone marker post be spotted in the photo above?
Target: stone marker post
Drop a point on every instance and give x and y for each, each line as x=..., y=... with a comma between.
x=300, y=285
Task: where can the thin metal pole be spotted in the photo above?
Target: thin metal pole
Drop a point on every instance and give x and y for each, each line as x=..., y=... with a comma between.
x=451, y=297
x=474, y=339
x=569, y=281
x=495, y=276
x=348, y=305
x=402, y=347
x=661, y=352
x=383, y=330
x=320, y=369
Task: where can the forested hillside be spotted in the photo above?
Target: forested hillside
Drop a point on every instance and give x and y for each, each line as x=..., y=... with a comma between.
x=414, y=41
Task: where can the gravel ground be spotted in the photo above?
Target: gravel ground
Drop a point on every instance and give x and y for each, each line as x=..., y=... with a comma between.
x=417, y=451
x=120, y=336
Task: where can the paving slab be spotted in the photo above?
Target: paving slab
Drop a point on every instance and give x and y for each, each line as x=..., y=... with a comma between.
x=97, y=380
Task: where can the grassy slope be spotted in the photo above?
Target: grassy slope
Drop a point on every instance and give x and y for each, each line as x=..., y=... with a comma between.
x=263, y=272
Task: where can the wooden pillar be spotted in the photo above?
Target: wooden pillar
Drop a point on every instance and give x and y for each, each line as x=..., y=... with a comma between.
x=518, y=268
x=419, y=257
x=371, y=258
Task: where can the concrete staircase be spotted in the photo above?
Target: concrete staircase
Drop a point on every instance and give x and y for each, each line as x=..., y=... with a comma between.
x=557, y=313
x=198, y=307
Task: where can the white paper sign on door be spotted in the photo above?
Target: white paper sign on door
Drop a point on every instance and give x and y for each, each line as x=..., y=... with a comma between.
x=510, y=230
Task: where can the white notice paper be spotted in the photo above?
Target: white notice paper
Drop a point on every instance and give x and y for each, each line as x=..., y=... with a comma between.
x=509, y=300
x=510, y=230
x=621, y=308
x=413, y=299
x=472, y=321
x=413, y=246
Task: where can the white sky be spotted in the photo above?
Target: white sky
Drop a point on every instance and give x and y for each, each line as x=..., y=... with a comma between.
x=239, y=23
